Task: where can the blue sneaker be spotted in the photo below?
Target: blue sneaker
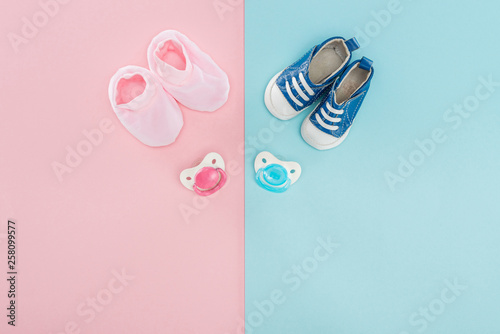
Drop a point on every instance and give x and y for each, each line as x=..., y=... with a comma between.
x=329, y=123
x=295, y=88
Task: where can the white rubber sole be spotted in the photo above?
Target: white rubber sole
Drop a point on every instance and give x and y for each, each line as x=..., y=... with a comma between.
x=314, y=144
x=269, y=104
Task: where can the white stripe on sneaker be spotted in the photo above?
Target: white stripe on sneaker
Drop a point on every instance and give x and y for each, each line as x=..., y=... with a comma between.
x=294, y=99
x=299, y=90
x=328, y=117
x=305, y=84
x=323, y=124
x=333, y=110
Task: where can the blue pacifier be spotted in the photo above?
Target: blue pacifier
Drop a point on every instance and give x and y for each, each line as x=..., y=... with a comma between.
x=275, y=175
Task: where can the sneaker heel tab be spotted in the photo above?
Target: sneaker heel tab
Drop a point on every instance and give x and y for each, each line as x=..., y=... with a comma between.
x=352, y=44
x=366, y=64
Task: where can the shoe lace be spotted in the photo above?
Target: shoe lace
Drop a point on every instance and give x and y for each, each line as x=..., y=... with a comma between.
x=299, y=90
x=328, y=116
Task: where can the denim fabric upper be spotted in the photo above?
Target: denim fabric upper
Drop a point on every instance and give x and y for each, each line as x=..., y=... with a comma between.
x=341, y=116
x=292, y=73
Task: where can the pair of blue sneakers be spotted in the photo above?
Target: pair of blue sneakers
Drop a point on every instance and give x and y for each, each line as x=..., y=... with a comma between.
x=323, y=74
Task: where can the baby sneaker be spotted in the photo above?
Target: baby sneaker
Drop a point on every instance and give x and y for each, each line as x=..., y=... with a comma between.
x=186, y=72
x=143, y=107
x=329, y=123
x=295, y=88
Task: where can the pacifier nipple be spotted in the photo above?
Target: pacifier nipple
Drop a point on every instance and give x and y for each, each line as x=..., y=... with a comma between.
x=207, y=178
x=273, y=174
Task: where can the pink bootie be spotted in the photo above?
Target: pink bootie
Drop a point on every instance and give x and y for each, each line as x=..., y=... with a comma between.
x=186, y=72
x=143, y=107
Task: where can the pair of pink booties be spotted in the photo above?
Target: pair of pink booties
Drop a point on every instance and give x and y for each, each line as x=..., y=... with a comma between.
x=145, y=100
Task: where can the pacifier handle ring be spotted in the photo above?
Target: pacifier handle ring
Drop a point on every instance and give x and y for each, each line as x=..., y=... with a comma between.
x=222, y=181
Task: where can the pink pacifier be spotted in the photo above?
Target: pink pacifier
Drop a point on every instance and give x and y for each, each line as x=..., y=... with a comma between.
x=206, y=178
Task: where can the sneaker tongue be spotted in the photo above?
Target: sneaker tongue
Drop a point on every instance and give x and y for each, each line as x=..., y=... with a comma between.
x=333, y=101
x=345, y=99
x=307, y=75
x=336, y=85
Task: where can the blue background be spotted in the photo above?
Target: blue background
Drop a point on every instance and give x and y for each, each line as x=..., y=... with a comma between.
x=397, y=247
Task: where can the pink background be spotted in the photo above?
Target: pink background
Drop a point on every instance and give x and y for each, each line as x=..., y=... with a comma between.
x=120, y=208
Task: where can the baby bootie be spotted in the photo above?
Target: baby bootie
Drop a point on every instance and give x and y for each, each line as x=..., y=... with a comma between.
x=143, y=107
x=187, y=73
